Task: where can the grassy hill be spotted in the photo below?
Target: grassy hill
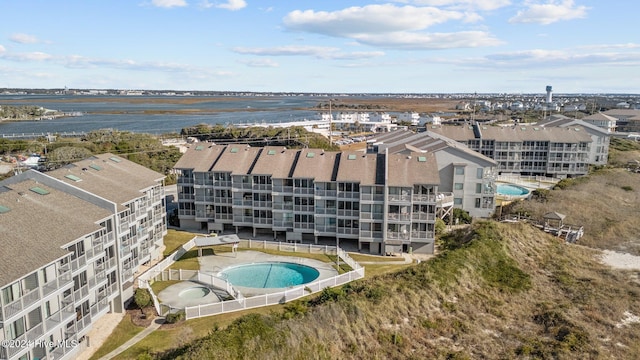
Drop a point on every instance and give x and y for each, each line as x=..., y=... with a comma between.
x=495, y=291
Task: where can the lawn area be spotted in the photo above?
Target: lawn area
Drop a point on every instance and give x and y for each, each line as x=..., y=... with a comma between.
x=174, y=239
x=158, y=286
x=163, y=339
x=374, y=258
x=121, y=334
x=188, y=261
x=371, y=270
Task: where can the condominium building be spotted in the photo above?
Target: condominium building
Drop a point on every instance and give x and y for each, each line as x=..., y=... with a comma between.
x=527, y=150
x=599, y=127
x=72, y=241
x=467, y=178
x=382, y=202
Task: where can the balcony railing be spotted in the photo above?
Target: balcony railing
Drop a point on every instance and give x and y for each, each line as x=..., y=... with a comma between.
x=282, y=189
x=399, y=198
x=349, y=213
x=326, y=228
x=326, y=193
x=325, y=211
x=394, y=235
x=423, y=216
x=367, y=234
x=63, y=316
x=263, y=221
x=369, y=197
x=399, y=216
x=348, y=231
x=424, y=198
x=282, y=224
x=24, y=301
x=303, y=208
x=348, y=195
x=303, y=191
x=371, y=216
x=282, y=205
x=31, y=334
x=304, y=226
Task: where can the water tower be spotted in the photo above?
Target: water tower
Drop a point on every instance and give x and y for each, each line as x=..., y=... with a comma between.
x=549, y=96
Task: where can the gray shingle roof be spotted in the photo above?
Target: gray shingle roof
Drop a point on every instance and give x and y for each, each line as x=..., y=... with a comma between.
x=275, y=161
x=118, y=180
x=37, y=226
x=199, y=156
x=315, y=163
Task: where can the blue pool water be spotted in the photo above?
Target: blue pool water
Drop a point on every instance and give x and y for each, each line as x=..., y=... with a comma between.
x=510, y=189
x=270, y=275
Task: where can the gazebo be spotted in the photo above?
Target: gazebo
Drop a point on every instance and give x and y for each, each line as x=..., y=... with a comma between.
x=206, y=241
x=553, y=219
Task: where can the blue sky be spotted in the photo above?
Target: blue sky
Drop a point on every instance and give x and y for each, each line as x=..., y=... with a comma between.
x=419, y=46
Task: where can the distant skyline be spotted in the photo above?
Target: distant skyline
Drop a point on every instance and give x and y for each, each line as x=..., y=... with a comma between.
x=401, y=46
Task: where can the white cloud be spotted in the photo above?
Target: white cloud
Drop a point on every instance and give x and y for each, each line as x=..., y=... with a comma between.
x=232, y=5
x=419, y=41
x=23, y=38
x=461, y=4
x=550, y=12
x=320, y=52
x=2, y=49
x=391, y=26
x=32, y=56
x=169, y=3
x=260, y=63
x=560, y=58
x=369, y=19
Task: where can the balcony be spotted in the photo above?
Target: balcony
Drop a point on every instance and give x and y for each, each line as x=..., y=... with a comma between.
x=394, y=235
x=303, y=208
x=348, y=195
x=424, y=198
x=262, y=187
x=81, y=293
x=282, y=224
x=421, y=235
x=325, y=211
x=242, y=202
x=371, y=216
x=304, y=226
x=349, y=213
x=28, y=338
x=262, y=221
x=348, y=231
x=282, y=189
x=371, y=235
x=63, y=316
x=399, y=198
x=399, y=217
x=369, y=197
x=25, y=301
x=326, y=228
x=326, y=193
x=303, y=191
x=423, y=216
x=262, y=204
x=282, y=206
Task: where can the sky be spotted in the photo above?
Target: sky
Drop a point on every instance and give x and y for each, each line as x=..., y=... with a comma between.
x=370, y=46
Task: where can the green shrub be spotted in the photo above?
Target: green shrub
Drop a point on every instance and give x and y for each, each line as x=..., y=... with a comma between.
x=627, y=188
x=142, y=298
x=175, y=317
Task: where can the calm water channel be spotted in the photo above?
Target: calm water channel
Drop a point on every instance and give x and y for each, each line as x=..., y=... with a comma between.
x=140, y=113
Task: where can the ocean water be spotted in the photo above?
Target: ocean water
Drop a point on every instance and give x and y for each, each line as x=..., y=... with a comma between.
x=128, y=114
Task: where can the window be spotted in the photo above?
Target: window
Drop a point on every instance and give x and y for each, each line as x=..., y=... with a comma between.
x=39, y=190
x=73, y=177
x=311, y=154
x=423, y=159
x=351, y=157
x=271, y=152
x=479, y=173
x=95, y=167
x=233, y=150
x=459, y=170
x=477, y=202
x=478, y=188
x=457, y=201
x=458, y=186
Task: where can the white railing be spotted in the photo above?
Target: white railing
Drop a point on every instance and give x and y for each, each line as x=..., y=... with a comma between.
x=159, y=272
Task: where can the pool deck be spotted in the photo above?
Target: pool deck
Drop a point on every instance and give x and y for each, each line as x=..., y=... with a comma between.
x=213, y=264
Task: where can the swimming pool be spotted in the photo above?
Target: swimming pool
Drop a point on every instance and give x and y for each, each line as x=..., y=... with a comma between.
x=513, y=190
x=269, y=274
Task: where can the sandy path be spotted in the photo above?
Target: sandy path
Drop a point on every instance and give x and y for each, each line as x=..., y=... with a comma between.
x=621, y=260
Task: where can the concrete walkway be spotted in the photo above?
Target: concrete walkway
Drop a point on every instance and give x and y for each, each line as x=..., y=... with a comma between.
x=141, y=335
